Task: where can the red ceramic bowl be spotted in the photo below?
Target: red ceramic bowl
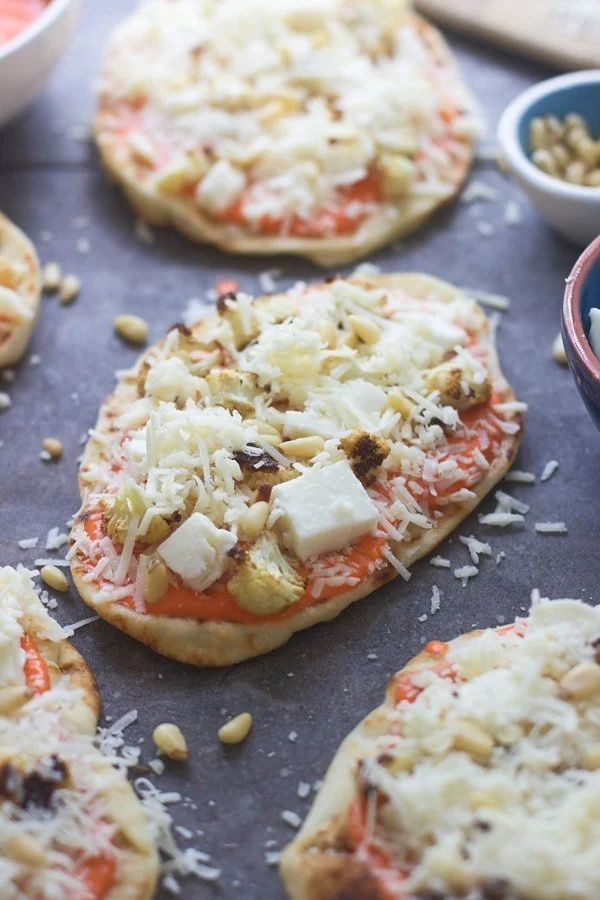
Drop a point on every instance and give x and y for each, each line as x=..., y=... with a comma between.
x=581, y=294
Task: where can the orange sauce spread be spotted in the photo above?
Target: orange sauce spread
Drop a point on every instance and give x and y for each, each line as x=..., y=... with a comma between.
x=97, y=874
x=343, y=217
x=390, y=880
x=37, y=676
x=16, y=15
x=217, y=602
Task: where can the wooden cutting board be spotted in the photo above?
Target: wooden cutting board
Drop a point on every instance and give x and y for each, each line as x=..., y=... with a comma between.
x=563, y=33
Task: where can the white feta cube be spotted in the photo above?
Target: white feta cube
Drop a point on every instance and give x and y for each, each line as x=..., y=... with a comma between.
x=197, y=551
x=323, y=510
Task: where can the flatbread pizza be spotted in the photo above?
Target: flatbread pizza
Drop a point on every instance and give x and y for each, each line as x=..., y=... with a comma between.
x=478, y=777
x=70, y=823
x=35, y=656
x=258, y=472
x=20, y=287
x=324, y=129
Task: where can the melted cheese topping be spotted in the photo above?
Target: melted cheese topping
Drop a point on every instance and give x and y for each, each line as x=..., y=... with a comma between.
x=20, y=607
x=515, y=799
x=262, y=113
x=291, y=366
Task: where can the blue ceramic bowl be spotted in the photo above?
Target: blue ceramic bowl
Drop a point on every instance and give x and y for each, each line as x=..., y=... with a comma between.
x=571, y=209
x=581, y=294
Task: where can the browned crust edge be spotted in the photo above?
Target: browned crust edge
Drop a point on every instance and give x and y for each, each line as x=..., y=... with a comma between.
x=218, y=643
x=378, y=230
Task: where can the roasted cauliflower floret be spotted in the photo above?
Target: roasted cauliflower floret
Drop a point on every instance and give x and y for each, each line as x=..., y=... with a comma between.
x=459, y=386
x=244, y=323
x=265, y=582
x=127, y=506
x=261, y=472
x=365, y=452
x=233, y=390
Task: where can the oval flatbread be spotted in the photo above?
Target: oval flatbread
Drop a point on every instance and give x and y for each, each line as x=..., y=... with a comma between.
x=478, y=777
x=258, y=472
x=324, y=129
x=20, y=288
x=70, y=824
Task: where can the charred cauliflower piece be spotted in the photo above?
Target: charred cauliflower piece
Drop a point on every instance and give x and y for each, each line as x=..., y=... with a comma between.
x=365, y=452
x=243, y=331
x=457, y=386
x=233, y=390
x=265, y=582
x=129, y=505
x=261, y=472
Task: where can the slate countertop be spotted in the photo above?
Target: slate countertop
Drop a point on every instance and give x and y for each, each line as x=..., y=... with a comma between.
x=325, y=679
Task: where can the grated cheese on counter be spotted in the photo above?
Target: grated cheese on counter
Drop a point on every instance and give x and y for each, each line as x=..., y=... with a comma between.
x=549, y=470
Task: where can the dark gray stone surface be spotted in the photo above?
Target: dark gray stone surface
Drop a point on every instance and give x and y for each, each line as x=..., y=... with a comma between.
x=322, y=682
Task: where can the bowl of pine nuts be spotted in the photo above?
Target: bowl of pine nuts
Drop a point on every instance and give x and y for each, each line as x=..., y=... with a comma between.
x=549, y=138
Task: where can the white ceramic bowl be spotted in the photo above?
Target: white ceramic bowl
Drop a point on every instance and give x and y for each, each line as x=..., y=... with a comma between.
x=570, y=209
x=27, y=61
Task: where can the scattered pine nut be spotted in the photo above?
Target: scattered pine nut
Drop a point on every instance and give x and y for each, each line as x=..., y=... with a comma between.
x=51, y=277
x=12, y=698
x=590, y=757
x=54, y=578
x=254, y=519
x=27, y=850
x=236, y=730
x=582, y=681
x=304, y=447
x=53, y=446
x=156, y=582
x=470, y=737
x=70, y=288
x=169, y=740
x=132, y=329
x=365, y=330
x=558, y=350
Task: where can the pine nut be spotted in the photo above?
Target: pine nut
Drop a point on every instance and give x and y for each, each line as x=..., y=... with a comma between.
x=132, y=329
x=561, y=155
x=590, y=757
x=170, y=741
x=262, y=427
x=398, y=402
x=470, y=737
x=592, y=179
x=54, y=578
x=13, y=698
x=156, y=582
x=304, y=447
x=544, y=160
x=574, y=120
x=575, y=136
x=53, y=446
x=558, y=350
x=575, y=172
x=274, y=440
x=236, y=730
x=26, y=850
x=554, y=128
x=582, y=680
x=538, y=135
x=51, y=277
x=254, y=519
x=70, y=288
x=365, y=330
